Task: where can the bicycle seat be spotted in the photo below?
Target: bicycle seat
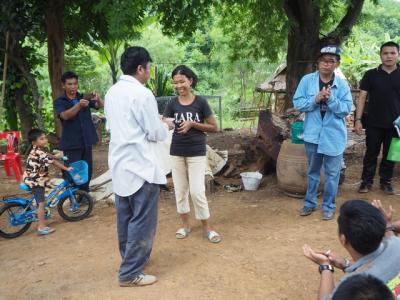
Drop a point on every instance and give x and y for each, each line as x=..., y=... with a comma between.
x=24, y=187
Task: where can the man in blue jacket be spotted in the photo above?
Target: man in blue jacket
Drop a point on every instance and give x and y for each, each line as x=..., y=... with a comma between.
x=326, y=101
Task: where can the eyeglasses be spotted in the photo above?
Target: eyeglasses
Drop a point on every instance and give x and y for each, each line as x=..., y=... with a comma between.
x=328, y=62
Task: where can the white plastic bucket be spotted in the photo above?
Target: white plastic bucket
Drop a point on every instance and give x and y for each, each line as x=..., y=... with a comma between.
x=251, y=180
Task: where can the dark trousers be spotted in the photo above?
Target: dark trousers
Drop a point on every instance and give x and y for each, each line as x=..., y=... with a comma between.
x=377, y=138
x=81, y=154
x=136, y=226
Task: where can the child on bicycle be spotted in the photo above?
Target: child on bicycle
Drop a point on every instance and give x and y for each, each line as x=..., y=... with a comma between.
x=37, y=172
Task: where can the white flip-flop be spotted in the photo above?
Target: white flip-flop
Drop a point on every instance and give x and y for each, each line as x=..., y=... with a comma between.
x=182, y=233
x=213, y=237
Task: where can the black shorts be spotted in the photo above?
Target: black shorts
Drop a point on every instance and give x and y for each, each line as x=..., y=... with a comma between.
x=38, y=193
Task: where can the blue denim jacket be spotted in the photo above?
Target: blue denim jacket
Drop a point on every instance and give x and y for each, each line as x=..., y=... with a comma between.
x=330, y=133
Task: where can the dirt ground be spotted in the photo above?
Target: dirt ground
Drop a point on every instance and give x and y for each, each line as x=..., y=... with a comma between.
x=260, y=256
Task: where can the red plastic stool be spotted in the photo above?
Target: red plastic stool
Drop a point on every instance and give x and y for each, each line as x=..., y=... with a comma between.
x=12, y=159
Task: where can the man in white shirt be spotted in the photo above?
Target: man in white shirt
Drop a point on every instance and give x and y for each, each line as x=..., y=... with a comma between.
x=135, y=128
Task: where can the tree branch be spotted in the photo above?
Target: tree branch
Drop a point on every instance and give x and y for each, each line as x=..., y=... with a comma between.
x=342, y=31
x=301, y=12
x=290, y=10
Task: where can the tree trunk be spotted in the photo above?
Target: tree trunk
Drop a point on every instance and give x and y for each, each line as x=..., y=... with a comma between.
x=24, y=111
x=3, y=88
x=19, y=59
x=10, y=114
x=303, y=43
x=35, y=93
x=301, y=58
x=55, y=45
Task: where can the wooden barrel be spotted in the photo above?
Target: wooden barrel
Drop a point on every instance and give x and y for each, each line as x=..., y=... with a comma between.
x=291, y=169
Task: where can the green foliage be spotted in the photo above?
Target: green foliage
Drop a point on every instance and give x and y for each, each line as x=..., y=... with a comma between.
x=48, y=108
x=160, y=82
x=86, y=63
x=357, y=58
x=254, y=28
x=208, y=53
x=262, y=29
x=11, y=115
x=107, y=21
x=361, y=51
x=182, y=16
x=22, y=21
x=163, y=49
x=20, y=18
x=232, y=45
x=93, y=75
x=109, y=52
x=123, y=19
x=380, y=19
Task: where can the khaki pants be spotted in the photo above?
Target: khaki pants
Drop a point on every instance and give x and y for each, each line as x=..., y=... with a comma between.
x=188, y=174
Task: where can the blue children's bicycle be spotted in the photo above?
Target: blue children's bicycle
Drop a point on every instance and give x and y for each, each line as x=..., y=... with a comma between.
x=18, y=213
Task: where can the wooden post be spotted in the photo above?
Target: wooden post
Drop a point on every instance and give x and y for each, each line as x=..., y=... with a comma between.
x=3, y=88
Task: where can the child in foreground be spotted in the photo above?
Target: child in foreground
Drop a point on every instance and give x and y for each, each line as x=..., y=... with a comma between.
x=37, y=172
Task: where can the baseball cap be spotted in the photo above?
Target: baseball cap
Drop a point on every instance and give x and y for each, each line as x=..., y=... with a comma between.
x=330, y=49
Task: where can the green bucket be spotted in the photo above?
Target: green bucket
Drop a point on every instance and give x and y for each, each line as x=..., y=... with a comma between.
x=297, y=132
x=394, y=150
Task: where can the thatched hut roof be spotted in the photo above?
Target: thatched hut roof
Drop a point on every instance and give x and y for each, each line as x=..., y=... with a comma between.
x=276, y=83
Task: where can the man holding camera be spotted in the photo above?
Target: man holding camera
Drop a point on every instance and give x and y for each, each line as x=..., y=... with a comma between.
x=78, y=131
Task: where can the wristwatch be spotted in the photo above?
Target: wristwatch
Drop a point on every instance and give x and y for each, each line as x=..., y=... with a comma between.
x=358, y=119
x=391, y=228
x=346, y=264
x=325, y=267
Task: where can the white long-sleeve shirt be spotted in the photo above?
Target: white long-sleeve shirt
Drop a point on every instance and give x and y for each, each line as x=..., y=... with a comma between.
x=135, y=128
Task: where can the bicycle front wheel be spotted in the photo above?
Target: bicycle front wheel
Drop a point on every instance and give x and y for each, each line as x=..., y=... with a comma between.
x=8, y=211
x=69, y=213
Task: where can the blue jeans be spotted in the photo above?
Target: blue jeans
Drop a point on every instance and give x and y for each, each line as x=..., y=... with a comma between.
x=136, y=225
x=332, y=166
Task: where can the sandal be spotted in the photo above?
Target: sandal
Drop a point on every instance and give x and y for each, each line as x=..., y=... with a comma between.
x=213, y=237
x=182, y=233
x=231, y=188
x=45, y=231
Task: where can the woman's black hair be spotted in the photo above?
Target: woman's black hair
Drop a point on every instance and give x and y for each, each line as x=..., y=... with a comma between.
x=187, y=72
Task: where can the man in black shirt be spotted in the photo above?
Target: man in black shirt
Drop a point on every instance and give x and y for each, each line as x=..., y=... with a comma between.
x=382, y=86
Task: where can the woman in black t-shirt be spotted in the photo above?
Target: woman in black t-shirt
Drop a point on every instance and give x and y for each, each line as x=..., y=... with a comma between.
x=192, y=117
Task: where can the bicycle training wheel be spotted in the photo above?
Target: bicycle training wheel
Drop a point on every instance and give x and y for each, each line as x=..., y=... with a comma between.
x=8, y=211
x=69, y=213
